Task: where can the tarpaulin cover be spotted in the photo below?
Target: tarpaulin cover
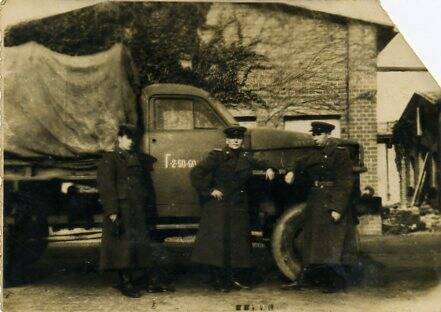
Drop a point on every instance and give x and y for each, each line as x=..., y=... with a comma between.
x=66, y=106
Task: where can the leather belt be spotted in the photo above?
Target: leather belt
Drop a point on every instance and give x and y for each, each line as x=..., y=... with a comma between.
x=323, y=183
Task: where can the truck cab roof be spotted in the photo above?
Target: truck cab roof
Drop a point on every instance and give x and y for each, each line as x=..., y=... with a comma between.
x=187, y=90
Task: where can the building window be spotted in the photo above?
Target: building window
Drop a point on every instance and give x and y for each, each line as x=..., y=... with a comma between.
x=247, y=121
x=303, y=123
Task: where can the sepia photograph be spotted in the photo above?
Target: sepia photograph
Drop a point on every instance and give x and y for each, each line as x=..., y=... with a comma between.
x=217, y=156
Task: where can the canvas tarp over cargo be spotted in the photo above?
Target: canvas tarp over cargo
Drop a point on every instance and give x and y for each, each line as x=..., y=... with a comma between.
x=65, y=106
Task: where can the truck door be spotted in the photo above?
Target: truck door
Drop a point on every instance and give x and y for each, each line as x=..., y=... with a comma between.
x=183, y=131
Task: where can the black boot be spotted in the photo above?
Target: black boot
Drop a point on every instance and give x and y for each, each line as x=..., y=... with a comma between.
x=336, y=281
x=157, y=282
x=220, y=279
x=240, y=279
x=336, y=286
x=297, y=284
x=126, y=286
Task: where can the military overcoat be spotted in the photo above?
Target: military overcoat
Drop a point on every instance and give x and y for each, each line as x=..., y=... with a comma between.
x=126, y=189
x=328, y=173
x=224, y=237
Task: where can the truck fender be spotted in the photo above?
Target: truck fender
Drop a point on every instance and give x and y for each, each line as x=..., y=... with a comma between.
x=286, y=240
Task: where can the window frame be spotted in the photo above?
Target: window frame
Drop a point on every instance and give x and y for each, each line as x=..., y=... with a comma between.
x=210, y=109
x=153, y=111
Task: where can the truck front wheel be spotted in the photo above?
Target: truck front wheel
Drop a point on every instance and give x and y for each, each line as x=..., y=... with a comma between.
x=286, y=241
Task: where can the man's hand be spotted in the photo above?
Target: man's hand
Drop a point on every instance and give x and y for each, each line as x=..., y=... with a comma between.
x=217, y=194
x=269, y=174
x=289, y=177
x=335, y=216
x=113, y=217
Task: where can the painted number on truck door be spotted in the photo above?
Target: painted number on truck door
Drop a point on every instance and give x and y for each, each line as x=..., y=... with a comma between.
x=173, y=163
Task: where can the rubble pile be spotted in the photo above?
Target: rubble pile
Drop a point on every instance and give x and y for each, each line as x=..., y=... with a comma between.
x=431, y=217
x=398, y=220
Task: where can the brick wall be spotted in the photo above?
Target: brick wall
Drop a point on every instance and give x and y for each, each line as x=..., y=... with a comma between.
x=315, y=65
x=305, y=71
x=362, y=86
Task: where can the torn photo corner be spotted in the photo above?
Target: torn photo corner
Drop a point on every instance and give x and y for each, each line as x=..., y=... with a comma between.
x=117, y=170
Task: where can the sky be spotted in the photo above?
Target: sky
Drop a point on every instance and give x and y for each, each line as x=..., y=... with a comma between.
x=16, y=11
x=419, y=23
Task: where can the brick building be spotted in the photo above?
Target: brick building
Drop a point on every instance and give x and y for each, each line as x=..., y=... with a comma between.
x=319, y=65
x=318, y=58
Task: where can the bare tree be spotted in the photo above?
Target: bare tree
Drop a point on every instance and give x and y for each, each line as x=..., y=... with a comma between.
x=239, y=72
x=305, y=96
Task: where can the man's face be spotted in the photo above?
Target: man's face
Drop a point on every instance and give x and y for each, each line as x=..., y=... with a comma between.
x=320, y=139
x=125, y=143
x=234, y=143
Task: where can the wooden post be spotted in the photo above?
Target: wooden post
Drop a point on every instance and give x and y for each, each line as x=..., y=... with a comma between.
x=410, y=172
x=403, y=182
x=387, y=174
x=420, y=182
x=418, y=122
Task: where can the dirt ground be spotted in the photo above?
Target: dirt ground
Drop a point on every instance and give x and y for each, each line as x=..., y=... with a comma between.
x=67, y=279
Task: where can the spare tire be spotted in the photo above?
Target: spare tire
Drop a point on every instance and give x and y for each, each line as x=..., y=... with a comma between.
x=287, y=239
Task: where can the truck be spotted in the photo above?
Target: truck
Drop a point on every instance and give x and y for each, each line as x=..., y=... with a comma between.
x=180, y=124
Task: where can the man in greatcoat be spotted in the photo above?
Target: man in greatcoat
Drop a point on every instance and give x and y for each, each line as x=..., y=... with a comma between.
x=329, y=241
x=223, y=241
x=127, y=195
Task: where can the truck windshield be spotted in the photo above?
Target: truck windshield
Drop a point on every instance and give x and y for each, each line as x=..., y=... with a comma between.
x=224, y=112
